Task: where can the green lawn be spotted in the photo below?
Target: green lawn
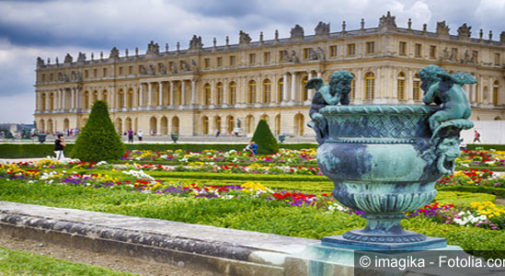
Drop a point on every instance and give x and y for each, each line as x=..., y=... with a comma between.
x=25, y=263
x=247, y=213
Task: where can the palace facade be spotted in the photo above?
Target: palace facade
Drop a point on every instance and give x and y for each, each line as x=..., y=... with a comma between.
x=200, y=90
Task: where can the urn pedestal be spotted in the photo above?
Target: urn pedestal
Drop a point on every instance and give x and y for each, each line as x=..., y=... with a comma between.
x=384, y=160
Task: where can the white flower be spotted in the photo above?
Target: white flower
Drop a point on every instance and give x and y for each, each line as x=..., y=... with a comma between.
x=140, y=174
x=101, y=163
x=184, y=159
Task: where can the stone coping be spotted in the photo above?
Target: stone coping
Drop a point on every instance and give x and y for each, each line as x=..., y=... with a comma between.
x=268, y=249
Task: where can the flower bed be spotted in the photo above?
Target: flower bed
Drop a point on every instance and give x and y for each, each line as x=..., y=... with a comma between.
x=473, y=177
x=483, y=158
x=480, y=214
x=284, y=156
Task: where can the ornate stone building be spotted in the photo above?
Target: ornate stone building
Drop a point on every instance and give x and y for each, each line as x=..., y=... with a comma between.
x=198, y=90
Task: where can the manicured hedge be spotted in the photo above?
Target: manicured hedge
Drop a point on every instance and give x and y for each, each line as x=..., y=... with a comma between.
x=238, y=176
x=30, y=150
x=486, y=146
x=43, y=150
x=474, y=189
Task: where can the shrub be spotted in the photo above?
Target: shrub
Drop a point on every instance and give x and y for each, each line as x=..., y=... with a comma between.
x=98, y=140
x=265, y=139
x=485, y=146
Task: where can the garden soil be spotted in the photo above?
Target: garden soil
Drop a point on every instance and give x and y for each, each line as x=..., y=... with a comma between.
x=118, y=263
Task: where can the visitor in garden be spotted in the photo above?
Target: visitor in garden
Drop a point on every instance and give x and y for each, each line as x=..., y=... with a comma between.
x=59, y=144
x=140, y=134
x=252, y=147
x=130, y=136
x=218, y=132
x=476, y=136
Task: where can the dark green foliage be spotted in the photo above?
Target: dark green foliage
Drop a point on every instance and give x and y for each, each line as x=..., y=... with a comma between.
x=98, y=140
x=267, y=144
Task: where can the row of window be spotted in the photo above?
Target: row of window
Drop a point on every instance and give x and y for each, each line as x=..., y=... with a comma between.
x=126, y=100
x=308, y=53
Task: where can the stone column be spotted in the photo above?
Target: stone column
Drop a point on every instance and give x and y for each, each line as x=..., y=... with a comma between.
x=183, y=92
x=160, y=93
x=64, y=92
x=310, y=92
x=77, y=95
x=285, y=88
x=125, y=98
x=73, y=99
x=48, y=96
x=150, y=94
x=56, y=100
x=141, y=98
x=172, y=93
x=212, y=94
x=193, y=91
x=293, y=87
x=226, y=93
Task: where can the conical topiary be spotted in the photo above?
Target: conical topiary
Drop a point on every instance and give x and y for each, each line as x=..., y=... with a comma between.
x=265, y=139
x=98, y=139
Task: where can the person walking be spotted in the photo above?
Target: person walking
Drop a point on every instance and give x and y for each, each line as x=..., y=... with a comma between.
x=140, y=134
x=476, y=136
x=59, y=144
x=130, y=136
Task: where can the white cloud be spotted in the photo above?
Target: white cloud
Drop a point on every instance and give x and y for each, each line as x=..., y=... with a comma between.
x=53, y=28
x=17, y=108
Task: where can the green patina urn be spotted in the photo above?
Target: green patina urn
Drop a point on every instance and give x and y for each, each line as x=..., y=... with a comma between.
x=385, y=159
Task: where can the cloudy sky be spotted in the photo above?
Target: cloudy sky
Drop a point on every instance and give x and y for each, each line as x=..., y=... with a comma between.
x=52, y=28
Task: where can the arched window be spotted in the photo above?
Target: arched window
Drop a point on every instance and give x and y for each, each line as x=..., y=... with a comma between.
x=352, y=94
x=130, y=98
x=496, y=89
x=164, y=126
x=230, y=124
x=280, y=88
x=104, y=95
x=299, y=124
x=205, y=125
x=369, y=86
x=43, y=103
x=250, y=123
x=232, y=96
x=120, y=99
x=251, y=96
x=416, y=88
x=206, y=94
x=219, y=93
x=400, y=89
x=305, y=91
x=66, y=124
x=175, y=125
x=128, y=124
x=51, y=105
x=41, y=126
x=95, y=96
x=153, y=123
x=86, y=100
x=267, y=91
x=119, y=125
x=277, y=128
x=217, y=124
